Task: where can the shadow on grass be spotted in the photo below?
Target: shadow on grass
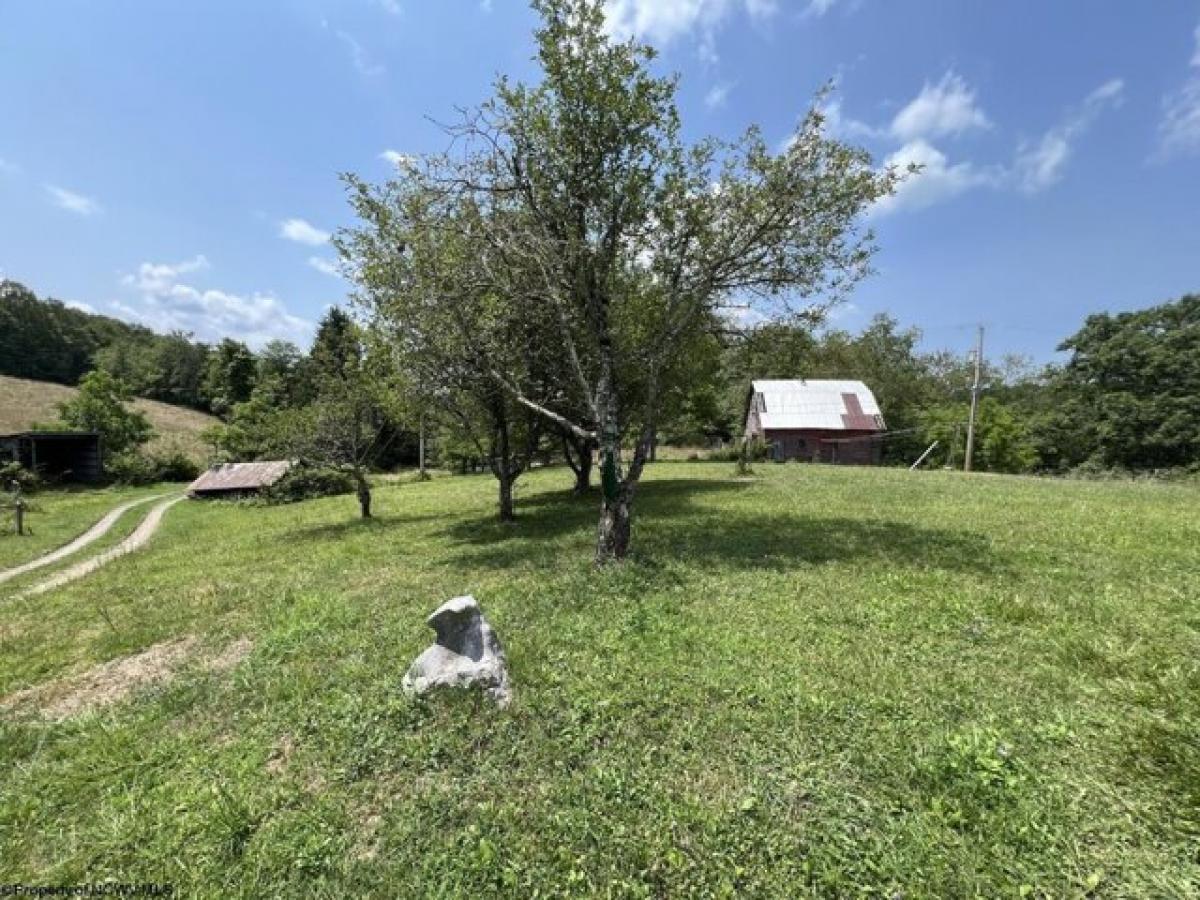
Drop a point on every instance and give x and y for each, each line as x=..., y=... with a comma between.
x=672, y=523
x=354, y=524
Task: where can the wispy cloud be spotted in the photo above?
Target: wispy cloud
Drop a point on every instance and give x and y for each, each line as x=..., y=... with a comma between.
x=818, y=8
x=324, y=266
x=397, y=159
x=1179, y=128
x=366, y=64
x=662, y=21
x=1040, y=164
x=72, y=202
x=163, y=301
x=938, y=180
x=939, y=110
x=717, y=95
x=7, y=167
x=302, y=232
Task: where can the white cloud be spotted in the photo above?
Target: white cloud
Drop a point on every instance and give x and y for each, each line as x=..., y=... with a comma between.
x=1179, y=128
x=717, y=95
x=324, y=266
x=1040, y=164
x=302, y=232
x=397, y=159
x=363, y=61
x=485, y=5
x=165, y=303
x=837, y=125
x=945, y=108
x=155, y=278
x=82, y=307
x=818, y=8
x=937, y=181
x=662, y=21
x=71, y=201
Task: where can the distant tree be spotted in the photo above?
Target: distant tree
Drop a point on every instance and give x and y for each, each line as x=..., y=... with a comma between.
x=1130, y=394
x=338, y=346
x=229, y=375
x=1004, y=441
x=346, y=427
x=100, y=405
x=285, y=376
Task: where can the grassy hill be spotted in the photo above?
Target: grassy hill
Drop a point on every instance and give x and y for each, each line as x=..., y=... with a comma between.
x=24, y=402
x=816, y=682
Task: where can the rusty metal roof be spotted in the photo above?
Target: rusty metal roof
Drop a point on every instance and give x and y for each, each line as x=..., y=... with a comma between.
x=818, y=404
x=240, y=476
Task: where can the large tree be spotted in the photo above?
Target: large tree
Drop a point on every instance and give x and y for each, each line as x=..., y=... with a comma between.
x=578, y=206
x=1130, y=394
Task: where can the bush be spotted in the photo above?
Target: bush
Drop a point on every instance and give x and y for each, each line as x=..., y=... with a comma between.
x=307, y=482
x=13, y=473
x=130, y=468
x=175, y=466
x=135, y=468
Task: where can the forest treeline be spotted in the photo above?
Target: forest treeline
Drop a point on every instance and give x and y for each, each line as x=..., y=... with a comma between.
x=1127, y=397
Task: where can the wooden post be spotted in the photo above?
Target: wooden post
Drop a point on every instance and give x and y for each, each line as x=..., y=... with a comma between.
x=20, y=507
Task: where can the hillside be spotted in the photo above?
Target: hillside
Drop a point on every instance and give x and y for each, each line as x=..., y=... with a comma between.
x=816, y=682
x=24, y=402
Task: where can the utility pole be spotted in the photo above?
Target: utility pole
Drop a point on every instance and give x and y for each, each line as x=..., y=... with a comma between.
x=974, y=402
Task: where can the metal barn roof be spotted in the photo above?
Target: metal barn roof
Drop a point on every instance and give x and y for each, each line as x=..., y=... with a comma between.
x=240, y=477
x=812, y=403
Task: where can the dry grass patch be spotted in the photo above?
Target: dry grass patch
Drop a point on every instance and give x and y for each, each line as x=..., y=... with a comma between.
x=118, y=679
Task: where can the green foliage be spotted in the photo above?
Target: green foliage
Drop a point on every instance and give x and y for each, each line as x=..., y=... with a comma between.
x=13, y=475
x=307, y=482
x=1130, y=394
x=1003, y=441
x=100, y=406
x=135, y=468
x=48, y=341
x=229, y=376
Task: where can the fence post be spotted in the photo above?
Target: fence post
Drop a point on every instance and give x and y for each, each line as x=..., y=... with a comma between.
x=20, y=507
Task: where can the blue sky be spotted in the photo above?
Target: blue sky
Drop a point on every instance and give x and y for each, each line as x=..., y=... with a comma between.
x=176, y=163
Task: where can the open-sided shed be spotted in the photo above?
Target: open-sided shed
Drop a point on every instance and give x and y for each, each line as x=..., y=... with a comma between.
x=238, y=479
x=57, y=455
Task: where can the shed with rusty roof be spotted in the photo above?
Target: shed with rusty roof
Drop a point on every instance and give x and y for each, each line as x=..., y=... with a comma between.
x=238, y=479
x=835, y=421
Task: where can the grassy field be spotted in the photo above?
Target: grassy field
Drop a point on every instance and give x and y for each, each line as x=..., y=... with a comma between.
x=24, y=402
x=55, y=517
x=816, y=682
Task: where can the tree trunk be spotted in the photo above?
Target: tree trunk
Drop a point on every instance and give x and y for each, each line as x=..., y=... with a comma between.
x=364, y=495
x=580, y=462
x=507, y=514
x=583, y=475
x=612, y=539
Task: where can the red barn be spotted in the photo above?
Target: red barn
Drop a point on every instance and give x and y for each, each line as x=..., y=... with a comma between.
x=816, y=421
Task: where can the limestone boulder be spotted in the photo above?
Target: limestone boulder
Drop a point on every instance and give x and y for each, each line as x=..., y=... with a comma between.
x=466, y=654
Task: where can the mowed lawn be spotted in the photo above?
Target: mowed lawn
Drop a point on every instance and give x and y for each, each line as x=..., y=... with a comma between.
x=55, y=517
x=816, y=682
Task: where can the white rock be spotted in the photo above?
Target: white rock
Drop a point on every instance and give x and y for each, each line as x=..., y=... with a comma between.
x=467, y=653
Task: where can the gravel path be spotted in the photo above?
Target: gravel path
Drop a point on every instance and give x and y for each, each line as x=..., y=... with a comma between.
x=94, y=533
x=140, y=535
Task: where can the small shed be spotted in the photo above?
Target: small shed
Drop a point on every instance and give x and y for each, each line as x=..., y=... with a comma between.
x=816, y=420
x=238, y=479
x=57, y=455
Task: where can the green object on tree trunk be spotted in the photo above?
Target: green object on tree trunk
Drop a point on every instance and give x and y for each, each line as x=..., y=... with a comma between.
x=608, y=477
